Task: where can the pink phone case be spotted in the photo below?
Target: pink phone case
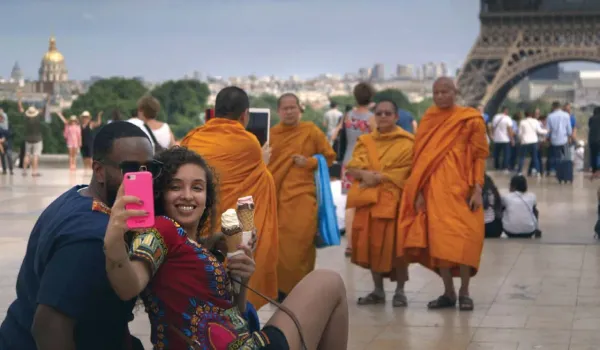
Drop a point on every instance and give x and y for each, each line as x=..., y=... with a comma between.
x=139, y=184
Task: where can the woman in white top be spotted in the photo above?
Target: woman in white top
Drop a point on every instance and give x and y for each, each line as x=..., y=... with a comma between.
x=529, y=129
x=520, y=217
x=147, y=112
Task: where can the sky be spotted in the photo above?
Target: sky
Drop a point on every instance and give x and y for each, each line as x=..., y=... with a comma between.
x=160, y=39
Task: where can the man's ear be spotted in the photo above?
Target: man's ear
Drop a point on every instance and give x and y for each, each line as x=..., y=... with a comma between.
x=98, y=171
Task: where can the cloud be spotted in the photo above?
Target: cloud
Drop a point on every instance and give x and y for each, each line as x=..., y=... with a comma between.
x=87, y=16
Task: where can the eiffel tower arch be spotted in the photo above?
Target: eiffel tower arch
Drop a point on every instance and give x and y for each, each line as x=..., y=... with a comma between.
x=518, y=37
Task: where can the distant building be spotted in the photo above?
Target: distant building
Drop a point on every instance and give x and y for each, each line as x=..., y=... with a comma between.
x=405, y=72
x=378, y=73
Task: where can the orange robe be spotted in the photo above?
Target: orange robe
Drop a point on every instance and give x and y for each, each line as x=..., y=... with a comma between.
x=236, y=157
x=450, y=152
x=296, y=198
x=374, y=230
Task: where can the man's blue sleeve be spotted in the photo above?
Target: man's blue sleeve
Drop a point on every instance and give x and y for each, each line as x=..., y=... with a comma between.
x=74, y=281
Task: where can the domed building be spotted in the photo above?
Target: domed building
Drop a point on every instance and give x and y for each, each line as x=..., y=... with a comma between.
x=52, y=68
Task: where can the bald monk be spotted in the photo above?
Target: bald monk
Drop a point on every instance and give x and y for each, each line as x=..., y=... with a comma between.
x=237, y=158
x=441, y=218
x=293, y=144
x=380, y=166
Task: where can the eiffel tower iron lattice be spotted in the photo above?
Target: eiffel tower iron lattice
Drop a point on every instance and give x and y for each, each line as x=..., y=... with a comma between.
x=511, y=45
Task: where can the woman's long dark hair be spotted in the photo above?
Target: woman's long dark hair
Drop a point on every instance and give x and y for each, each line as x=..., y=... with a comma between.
x=172, y=159
x=490, y=186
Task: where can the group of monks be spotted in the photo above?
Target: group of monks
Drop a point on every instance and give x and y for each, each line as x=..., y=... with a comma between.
x=416, y=198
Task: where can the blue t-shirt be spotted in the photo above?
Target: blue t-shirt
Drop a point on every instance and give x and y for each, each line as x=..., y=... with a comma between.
x=64, y=267
x=486, y=118
x=405, y=120
x=573, y=121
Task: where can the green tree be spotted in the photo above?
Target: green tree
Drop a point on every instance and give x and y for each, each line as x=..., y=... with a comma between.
x=108, y=95
x=182, y=103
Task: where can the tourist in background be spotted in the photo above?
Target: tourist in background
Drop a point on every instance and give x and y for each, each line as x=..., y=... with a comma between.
x=87, y=137
x=72, y=134
x=520, y=217
x=406, y=121
x=515, y=145
x=34, y=142
x=503, y=137
x=359, y=121
x=568, y=108
x=594, y=140
x=492, y=208
x=6, y=143
x=529, y=129
x=560, y=132
x=331, y=120
x=159, y=132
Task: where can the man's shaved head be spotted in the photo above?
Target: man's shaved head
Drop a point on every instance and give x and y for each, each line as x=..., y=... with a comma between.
x=444, y=93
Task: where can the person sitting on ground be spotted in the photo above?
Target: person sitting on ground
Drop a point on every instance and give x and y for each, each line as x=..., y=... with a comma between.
x=520, y=217
x=187, y=289
x=492, y=206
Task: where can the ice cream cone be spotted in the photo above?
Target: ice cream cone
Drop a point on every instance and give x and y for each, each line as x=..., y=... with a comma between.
x=234, y=241
x=245, y=212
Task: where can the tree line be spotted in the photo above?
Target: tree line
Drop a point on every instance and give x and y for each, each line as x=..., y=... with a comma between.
x=182, y=104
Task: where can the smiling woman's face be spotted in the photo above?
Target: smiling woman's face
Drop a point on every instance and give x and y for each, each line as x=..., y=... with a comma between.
x=185, y=197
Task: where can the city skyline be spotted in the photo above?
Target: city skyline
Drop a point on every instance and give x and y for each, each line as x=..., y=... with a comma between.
x=264, y=37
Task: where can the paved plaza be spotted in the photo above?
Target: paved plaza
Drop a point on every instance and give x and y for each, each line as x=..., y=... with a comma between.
x=534, y=294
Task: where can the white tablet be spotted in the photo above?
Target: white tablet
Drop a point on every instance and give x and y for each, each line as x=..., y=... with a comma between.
x=260, y=124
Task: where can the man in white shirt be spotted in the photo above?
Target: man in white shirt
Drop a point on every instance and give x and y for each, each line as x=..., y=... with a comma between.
x=529, y=129
x=503, y=137
x=331, y=119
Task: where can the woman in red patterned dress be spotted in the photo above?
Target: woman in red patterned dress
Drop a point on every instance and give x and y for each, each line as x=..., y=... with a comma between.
x=186, y=289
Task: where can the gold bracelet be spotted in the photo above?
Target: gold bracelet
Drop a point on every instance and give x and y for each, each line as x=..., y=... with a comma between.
x=115, y=263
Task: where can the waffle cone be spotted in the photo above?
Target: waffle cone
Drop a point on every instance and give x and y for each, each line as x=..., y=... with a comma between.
x=233, y=242
x=246, y=216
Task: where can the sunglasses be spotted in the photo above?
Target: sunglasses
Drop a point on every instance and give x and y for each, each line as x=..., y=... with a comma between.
x=153, y=166
x=384, y=114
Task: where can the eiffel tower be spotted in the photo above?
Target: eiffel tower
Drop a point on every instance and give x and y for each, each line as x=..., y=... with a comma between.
x=518, y=37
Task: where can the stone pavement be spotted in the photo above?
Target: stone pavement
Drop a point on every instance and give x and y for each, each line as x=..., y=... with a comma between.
x=534, y=294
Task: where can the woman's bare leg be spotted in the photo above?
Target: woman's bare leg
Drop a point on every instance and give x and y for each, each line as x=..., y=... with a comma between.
x=319, y=303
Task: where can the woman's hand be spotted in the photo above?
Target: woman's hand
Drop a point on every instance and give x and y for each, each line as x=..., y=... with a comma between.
x=242, y=265
x=117, y=224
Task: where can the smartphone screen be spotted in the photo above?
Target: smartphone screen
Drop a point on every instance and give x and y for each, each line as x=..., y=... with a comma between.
x=260, y=124
x=139, y=184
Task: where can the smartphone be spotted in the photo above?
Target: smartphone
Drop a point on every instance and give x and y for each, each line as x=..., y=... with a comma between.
x=260, y=124
x=209, y=114
x=139, y=184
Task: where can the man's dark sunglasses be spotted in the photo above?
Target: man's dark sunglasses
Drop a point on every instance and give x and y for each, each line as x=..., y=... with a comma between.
x=153, y=166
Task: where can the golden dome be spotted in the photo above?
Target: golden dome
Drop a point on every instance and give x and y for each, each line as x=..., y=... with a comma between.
x=53, y=56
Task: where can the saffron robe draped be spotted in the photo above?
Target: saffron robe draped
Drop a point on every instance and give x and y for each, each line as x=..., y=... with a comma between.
x=236, y=157
x=450, y=152
x=296, y=198
x=375, y=231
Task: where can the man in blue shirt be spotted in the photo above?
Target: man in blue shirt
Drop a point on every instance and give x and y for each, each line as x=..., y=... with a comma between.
x=406, y=121
x=568, y=108
x=64, y=299
x=560, y=133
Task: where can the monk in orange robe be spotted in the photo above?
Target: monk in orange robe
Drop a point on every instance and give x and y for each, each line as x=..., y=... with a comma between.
x=380, y=166
x=441, y=215
x=237, y=159
x=293, y=144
